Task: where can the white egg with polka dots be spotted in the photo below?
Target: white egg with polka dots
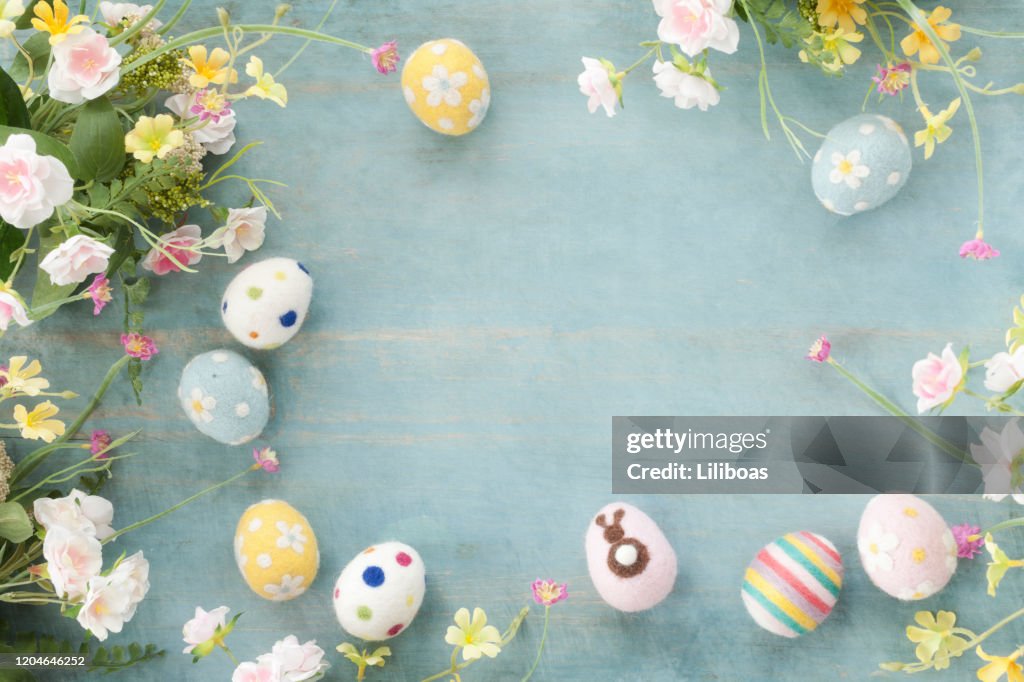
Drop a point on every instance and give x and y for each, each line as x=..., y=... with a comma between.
x=265, y=304
x=379, y=592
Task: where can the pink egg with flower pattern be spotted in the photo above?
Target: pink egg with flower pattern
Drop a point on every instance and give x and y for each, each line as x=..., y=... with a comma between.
x=906, y=547
x=631, y=563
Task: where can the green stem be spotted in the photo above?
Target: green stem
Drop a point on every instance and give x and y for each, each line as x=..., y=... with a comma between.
x=29, y=464
x=213, y=32
x=138, y=25
x=894, y=409
x=914, y=13
x=989, y=34
x=543, y=641
x=175, y=19
x=640, y=61
x=1003, y=525
x=302, y=48
x=181, y=504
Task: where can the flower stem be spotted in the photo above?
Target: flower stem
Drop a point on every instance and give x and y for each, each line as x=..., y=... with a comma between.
x=893, y=409
x=543, y=641
x=640, y=61
x=155, y=517
x=1002, y=525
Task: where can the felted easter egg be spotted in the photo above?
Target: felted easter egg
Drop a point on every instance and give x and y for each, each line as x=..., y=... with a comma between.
x=225, y=396
x=276, y=550
x=631, y=563
x=792, y=584
x=906, y=547
x=863, y=162
x=446, y=86
x=379, y=593
x=266, y=303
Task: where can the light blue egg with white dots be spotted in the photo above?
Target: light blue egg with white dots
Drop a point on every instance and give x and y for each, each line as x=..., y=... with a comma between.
x=863, y=163
x=225, y=396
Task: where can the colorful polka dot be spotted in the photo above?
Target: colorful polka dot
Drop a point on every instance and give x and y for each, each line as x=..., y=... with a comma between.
x=410, y=600
x=289, y=318
x=254, y=293
x=303, y=268
x=280, y=276
x=395, y=629
x=337, y=592
x=403, y=559
x=224, y=307
x=364, y=613
x=373, y=576
x=254, y=335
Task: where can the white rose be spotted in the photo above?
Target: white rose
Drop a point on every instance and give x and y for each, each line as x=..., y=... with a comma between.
x=116, y=12
x=84, y=67
x=1004, y=370
x=294, y=662
x=216, y=136
x=203, y=626
x=75, y=259
x=688, y=90
x=107, y=606
x=595, y=82
x=245, y=231
x=11, y=309
x=253, y=671
x=78, y=512
x=696, y=25
x=72, y=559
x=31, y=185
x=133, y=575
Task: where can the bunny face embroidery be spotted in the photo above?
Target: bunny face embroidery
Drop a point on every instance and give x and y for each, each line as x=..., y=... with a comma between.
x=627, y=557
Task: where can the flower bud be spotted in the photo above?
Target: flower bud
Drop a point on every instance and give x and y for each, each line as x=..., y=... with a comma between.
x=224, y=17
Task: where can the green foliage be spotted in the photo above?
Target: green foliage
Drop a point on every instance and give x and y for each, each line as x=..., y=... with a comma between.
x=12, y=104
x=98, y=141
x=103, y=659
x=14, y=522
x=38, y=47
x=11, y=240
x=135, y=294
x=160, y=73
x=782, y=24
x=170, y=196
x=45, y=145
x=45, y=291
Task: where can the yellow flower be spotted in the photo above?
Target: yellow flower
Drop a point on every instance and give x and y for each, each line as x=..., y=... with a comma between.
x=935, y=639
x=266, y=87
x=153, y=137
x=936, y=130
x=475, y=637
x=20, y=378
x=919, y=42
x=999, y=666
x=37, y=424
x=999, y=565
x=209, y=69
x=55, y=20
x=841, y=12
x=838, y=43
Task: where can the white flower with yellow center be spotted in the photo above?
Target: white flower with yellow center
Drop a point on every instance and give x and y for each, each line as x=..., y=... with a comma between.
x=443, y=86
x=848, y=169
x=201, y=404
x=875, y=547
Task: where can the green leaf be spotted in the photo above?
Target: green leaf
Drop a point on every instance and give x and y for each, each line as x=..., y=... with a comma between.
x=46, y=291
x=11, y=239
x=38, y=47
x=14, y=522
x=98, y=141
x=12, y=103
x=46, y=146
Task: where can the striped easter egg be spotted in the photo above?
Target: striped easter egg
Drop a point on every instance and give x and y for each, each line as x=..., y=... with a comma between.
x=792, y=584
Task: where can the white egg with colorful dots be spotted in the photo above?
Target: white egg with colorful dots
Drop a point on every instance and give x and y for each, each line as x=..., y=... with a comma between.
x=862, y=163
x=380, y=591
x=265, y=304
x=225, y=396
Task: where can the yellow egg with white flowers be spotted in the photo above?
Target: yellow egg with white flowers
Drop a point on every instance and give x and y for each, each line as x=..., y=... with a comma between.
x=276, y=550
x=446, y=86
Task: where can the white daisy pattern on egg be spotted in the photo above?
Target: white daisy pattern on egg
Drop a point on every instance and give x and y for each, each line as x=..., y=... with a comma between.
x=479, y=108
x=289, y=588
x=848, y=168
x=201, y=403
x=876, y=547
x=242, y=410
x=291, y=536
x=921, y=591
x=444, y=87
x=264, y=560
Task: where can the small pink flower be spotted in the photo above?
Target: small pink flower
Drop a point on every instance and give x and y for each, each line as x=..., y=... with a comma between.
x=139, y=346
x=978, y=250
x=548, y=592
x=3, y=376
x=599, y=85
x=99, y=292
x=386, y=58
x=267, y=459
x=820, y=350
x=84, y=67
x=178, y=244
x=100, y=442
x=937, y=379
x=210, y=105
x=893, y=78
x=967, y=548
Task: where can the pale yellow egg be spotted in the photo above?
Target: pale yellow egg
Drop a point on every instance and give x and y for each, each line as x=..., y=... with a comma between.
x=446, y=86
x=276, y=550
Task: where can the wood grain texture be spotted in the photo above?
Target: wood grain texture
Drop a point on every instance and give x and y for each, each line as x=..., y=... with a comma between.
x=484, y=305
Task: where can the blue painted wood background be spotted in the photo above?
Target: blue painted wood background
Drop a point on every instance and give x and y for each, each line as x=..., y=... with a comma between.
x=484, y=305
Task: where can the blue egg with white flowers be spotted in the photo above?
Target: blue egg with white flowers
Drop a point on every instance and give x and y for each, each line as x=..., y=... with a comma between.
x=225, y=396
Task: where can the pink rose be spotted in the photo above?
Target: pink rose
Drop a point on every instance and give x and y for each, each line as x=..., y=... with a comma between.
x=696, y=25
x=72, y=559
x=243, y=232
x=78, y=512
x=84, y=67
x=176, y=244
x=595, y=82
x=936, y=379
x=11, y=309
x=296, y=662
x=203, y=626
x=31, y=185
x=249, y=671
x=74, y=260
x=687, y=89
